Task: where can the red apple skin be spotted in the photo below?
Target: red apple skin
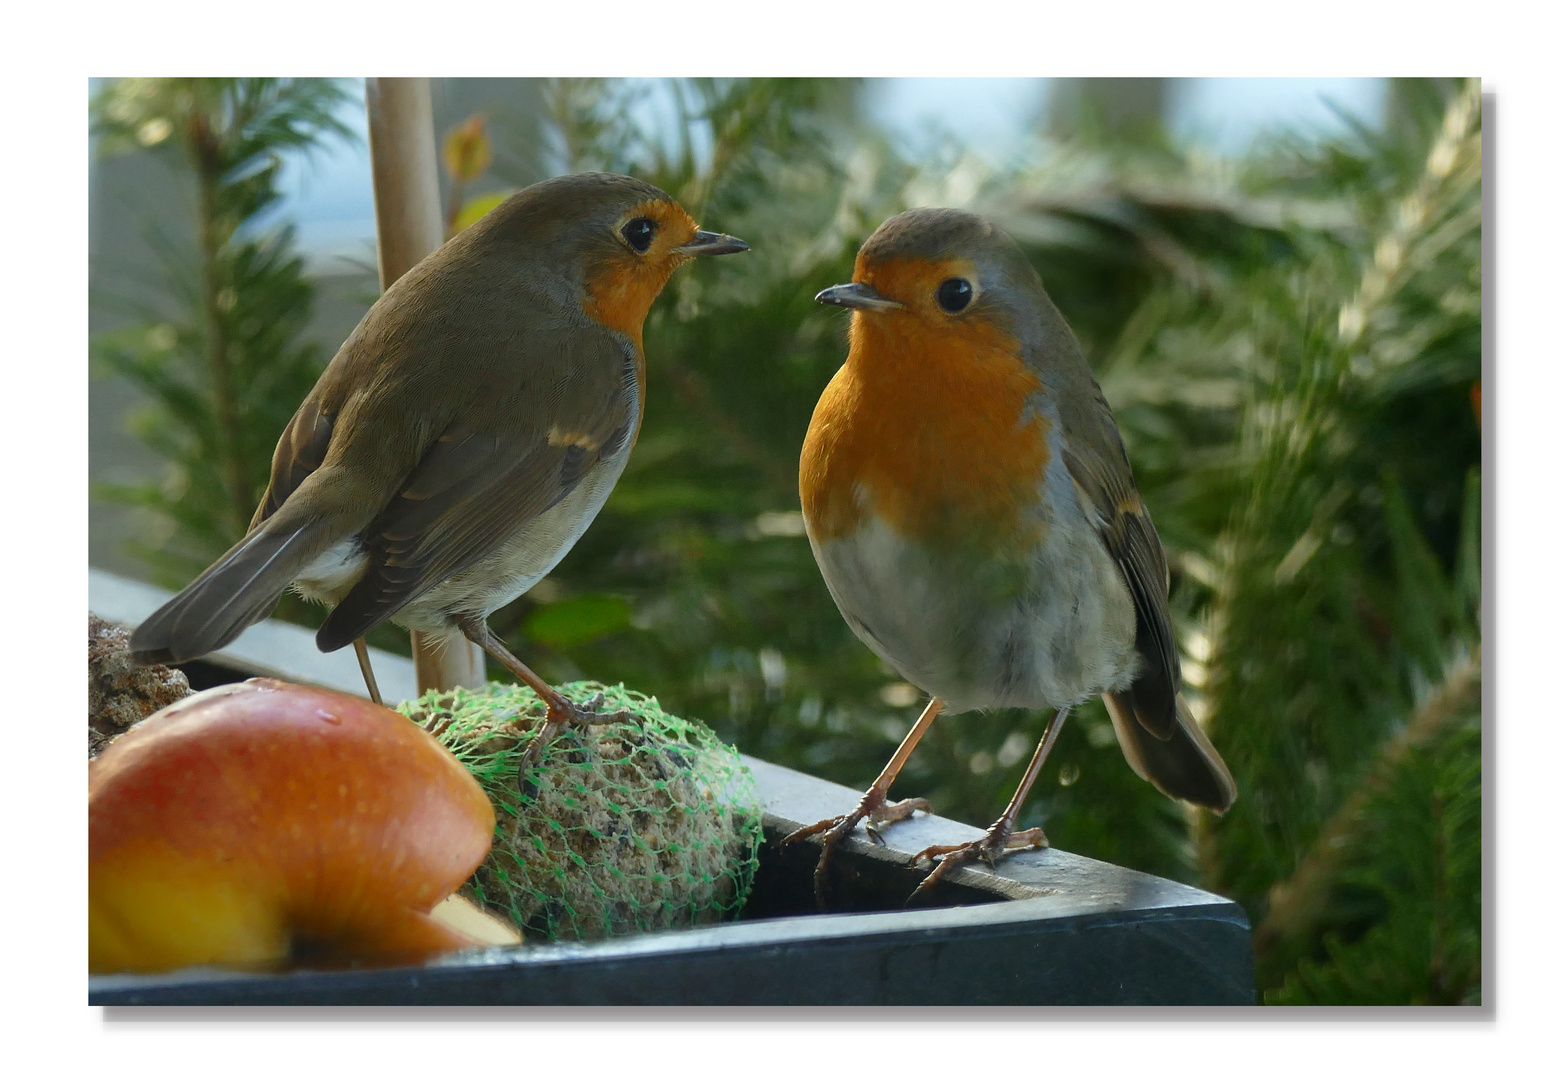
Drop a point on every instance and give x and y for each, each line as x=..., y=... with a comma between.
x=254, y=822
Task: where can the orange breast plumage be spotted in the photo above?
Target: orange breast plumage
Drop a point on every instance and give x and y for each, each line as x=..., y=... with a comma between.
x=938, y=435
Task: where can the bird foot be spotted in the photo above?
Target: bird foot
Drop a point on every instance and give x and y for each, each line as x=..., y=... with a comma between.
x=562, y=713
x=889, y=812
x=999, y=840
x=589, y=714
x=879, y=814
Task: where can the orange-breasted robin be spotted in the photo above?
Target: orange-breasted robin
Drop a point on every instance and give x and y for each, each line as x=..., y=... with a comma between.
x=971, y=507
x=464, y=436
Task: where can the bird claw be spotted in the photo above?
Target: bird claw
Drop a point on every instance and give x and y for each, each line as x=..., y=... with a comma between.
x=561, y=714
x=888, y=813
x=814, y=829
x=998, y=842
x=878, y=815
x=589, y=714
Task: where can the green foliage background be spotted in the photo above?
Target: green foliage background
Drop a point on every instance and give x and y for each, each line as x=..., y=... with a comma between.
x=228, y=370
x=1291, y=341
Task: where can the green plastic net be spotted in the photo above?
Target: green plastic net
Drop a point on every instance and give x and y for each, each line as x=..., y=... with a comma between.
x=648, y=823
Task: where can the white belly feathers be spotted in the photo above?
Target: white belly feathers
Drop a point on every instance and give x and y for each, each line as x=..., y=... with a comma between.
x=1056, y=638
x=526, y=557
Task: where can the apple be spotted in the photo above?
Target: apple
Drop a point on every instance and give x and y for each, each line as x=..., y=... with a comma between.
x=260, y=822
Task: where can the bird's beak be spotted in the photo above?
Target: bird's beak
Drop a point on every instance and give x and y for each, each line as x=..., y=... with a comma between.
x=859, y=296
x=705, y=242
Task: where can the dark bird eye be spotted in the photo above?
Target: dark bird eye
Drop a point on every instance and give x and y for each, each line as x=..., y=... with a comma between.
x=639, y=233
x=954, y=295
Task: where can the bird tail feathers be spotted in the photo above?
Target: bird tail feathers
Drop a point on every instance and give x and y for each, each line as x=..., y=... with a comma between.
x=237, y=591
x=1184, y=766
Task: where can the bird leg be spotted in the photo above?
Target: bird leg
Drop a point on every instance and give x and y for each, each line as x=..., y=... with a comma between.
x=873, y=805
x=1000, y=838
x=561, y=712
x=360, y=647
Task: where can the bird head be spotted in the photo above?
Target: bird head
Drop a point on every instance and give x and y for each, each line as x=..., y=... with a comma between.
x=616, y=238
x=941, y=275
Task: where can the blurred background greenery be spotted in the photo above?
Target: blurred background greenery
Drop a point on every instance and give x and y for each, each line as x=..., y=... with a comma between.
x=1290, y=336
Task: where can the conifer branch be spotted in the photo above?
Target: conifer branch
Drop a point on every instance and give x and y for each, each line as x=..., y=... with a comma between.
x=1295, y=903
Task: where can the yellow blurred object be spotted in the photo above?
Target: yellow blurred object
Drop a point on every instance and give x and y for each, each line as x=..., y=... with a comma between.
x=467, y=150
x=470, y=212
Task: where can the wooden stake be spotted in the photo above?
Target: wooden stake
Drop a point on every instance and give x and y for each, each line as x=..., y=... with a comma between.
x=410, y=222
x=406, y=174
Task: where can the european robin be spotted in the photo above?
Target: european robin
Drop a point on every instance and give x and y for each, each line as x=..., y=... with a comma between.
x=971, y=507
x=464, y=436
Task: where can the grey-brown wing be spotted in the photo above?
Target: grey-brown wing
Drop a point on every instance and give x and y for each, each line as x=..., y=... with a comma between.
x=299, y=452
x=1097, y=462
x=480, y=481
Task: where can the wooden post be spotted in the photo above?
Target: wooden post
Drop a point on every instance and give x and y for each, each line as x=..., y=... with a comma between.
x=410, y=223
x=406, y=174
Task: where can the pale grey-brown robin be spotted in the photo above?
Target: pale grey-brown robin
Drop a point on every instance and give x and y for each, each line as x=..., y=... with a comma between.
x=970, y=504
x=465, y=435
